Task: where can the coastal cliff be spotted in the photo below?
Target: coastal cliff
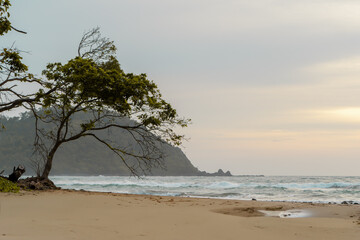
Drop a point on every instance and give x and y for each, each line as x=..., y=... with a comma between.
x=85, y=156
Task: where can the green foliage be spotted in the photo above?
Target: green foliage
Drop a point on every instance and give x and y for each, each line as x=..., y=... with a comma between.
x=12, y=70
x=94, y=83
x=7, y=186
x=12, y=59
x=5, y=24
x=105, y=87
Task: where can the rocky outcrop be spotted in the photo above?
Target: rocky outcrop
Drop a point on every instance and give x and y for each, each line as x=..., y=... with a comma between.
x=36, y=183
x=219, y=173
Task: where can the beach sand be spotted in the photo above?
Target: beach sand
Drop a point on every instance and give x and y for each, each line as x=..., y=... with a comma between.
x=66, y=214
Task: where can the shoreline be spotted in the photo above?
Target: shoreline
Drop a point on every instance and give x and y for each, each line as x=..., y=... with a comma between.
x=66, y=214
x=290, y=189
x=348, y=202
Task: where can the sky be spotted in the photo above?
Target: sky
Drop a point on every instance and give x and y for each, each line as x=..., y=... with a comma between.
x=272, y=86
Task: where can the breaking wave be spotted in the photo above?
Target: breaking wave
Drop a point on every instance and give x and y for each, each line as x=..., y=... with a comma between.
x=303, y=189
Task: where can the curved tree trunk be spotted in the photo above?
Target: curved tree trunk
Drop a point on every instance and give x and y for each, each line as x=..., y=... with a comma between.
x=48, y=165
x=47, y=168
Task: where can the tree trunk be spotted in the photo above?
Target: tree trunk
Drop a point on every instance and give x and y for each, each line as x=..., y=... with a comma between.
x=48, y=165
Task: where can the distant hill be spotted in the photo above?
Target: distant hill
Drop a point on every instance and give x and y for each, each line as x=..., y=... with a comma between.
x=82, y=157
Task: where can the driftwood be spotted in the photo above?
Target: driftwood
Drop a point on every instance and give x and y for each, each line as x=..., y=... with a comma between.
x=35, y=183
x=16, y=174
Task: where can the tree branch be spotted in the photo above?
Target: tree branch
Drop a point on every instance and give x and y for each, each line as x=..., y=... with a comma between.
x=17, y=30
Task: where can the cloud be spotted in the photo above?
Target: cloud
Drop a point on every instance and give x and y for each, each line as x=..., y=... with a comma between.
x=344, y=115
x=343, y=66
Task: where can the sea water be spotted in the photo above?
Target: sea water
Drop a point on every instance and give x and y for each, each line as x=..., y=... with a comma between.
x=267, y=188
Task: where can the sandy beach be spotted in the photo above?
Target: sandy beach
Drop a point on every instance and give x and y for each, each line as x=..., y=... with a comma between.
x=67, y=214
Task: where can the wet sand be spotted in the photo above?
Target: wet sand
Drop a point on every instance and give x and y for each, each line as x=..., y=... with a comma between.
x=69, y=214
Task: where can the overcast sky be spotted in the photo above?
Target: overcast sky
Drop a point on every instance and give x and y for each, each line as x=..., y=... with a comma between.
x=272, y=86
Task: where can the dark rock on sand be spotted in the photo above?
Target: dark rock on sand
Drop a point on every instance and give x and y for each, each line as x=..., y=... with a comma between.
x=36, y=183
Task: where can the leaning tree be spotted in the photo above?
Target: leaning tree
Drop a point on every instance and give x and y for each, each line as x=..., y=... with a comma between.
x=92, y=94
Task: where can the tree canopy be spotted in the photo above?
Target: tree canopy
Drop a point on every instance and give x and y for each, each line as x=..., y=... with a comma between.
x=94, y=83
x=5, y=24
x=12, y=70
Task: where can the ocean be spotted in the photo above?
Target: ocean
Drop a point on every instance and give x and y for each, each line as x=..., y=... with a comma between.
x=267, y=188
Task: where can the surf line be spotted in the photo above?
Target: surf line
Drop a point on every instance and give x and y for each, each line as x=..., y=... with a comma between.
x=293, y=213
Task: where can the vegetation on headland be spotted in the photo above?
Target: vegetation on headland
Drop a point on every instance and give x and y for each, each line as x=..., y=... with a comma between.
x=83, y=157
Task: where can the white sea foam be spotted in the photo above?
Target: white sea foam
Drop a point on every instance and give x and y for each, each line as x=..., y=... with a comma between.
x=300, y=189
x=293, y=213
